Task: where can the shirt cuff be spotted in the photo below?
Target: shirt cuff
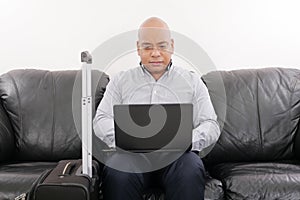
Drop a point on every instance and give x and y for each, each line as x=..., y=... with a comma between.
x=196, y=146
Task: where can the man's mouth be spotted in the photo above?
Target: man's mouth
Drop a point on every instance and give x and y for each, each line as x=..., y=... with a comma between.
x=156, y=62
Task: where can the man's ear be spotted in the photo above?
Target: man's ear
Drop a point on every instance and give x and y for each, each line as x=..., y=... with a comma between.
x=138, y=48
x=172, y=46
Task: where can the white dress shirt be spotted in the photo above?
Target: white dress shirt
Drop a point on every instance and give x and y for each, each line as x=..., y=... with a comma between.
x=176, y=85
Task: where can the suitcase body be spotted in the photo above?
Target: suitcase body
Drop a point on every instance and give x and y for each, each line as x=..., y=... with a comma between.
x=66, y=181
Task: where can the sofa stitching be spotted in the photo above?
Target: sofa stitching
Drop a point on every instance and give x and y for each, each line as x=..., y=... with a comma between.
x=1, y=123
x=53, y=114
x=258, y=117
x=19, y=109
x=290, y=112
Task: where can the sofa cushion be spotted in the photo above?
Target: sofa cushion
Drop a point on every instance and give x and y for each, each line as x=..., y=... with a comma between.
x=259, y=110
x=40, y=107
x=280, y=180
x=18, y=178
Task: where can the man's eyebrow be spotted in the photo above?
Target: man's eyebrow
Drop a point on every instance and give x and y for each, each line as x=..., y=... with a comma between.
x=163, y=42
x=146, y=43
x=150, y=44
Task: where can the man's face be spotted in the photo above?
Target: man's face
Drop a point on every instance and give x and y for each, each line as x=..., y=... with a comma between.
x=155, y=48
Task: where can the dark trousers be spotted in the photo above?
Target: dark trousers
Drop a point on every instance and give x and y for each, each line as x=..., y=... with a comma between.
x=182, y=179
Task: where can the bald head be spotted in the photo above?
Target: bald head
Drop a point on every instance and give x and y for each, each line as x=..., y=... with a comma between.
x=153, y=24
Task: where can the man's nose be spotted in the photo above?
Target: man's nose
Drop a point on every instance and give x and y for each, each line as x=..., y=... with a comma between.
x=155, y=53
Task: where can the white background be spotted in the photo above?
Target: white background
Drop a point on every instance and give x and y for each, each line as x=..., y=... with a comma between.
x=50, y=34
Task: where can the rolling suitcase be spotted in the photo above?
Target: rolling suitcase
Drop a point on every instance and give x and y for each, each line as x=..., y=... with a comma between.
x=66, y=181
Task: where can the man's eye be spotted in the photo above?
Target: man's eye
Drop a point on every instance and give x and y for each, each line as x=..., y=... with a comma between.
x=162, y=46
x=148, y=48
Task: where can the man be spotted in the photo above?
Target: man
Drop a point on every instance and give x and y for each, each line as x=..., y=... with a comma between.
x=155, y=81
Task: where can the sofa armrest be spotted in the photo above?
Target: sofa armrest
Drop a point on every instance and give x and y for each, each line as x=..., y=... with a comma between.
x=7, y=144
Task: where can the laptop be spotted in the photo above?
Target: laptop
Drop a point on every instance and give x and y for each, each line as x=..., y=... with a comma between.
x=153, y=127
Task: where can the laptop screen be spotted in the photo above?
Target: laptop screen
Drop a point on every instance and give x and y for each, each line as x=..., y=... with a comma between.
x=153, y=127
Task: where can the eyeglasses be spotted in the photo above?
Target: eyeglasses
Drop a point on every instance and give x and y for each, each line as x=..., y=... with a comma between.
x=149, y=47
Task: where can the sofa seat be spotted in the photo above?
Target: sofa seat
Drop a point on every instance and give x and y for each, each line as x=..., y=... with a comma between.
x=18, y=178
x=213, y=191
x=264, y=180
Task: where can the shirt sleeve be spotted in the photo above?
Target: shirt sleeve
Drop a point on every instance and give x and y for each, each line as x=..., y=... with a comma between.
x=206, y=128
x=103, y=122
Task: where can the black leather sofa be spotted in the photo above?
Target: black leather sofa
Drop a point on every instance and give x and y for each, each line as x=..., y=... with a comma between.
x=258, y=153
x=256, y=157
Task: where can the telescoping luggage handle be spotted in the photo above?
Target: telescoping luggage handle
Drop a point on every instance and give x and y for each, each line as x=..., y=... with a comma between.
x=86, y=113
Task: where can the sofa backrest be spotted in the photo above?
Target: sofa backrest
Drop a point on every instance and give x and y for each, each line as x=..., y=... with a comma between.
x=7, y=142
x=40, y=107
x=259, y=113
